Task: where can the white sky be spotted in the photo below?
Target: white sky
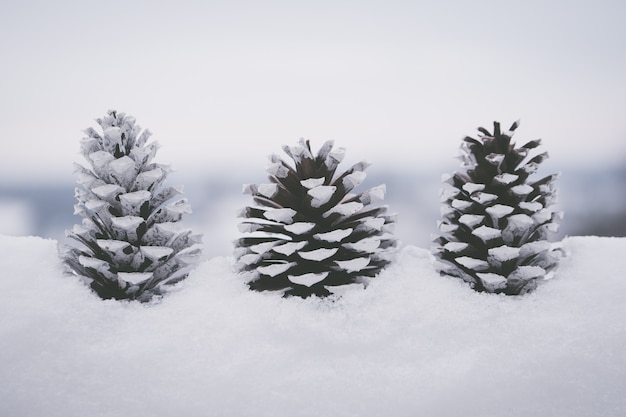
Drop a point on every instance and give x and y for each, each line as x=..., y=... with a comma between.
x=225, y=83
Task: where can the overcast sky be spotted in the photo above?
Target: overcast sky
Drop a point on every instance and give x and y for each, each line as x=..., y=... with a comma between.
x=225, y=83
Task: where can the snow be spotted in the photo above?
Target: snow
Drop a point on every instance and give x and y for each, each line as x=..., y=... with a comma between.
x=281, y=215
x=345, y=209
x=275, y=269
x=307, y=279
x=318, y=254
x=412, y=343
x=484, y=198
x=471, y=220
x=289, y=248
x=505, y=178
x=321, y=194
x=353, y=265
x=334, y=236
x=498, y=211
x=487, y=233
x=299, y=228
x=471, y=187
x=312, y=182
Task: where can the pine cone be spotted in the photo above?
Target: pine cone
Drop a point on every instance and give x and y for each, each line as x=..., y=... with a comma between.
x=307, y=232
x=495, y=221
x=133, y=243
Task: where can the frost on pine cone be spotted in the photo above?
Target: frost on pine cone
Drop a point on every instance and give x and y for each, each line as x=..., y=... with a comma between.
x=307, y=232
x=496, y=221
x=133, y=243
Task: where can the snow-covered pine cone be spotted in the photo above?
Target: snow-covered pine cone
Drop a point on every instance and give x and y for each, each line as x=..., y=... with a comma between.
x=133, y=243
x=307, y=232
x=496, y=222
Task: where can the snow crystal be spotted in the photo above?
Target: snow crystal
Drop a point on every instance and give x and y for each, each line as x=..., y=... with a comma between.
x=522, y=189
x=278, y=170
x=107, y=191
x=517, y=225
x=334, y=236
x=542, y=216
x=495, y=158
x=353, y=265
x=275, y=269
x=491, y=281
x=124, y=167
x=112, y=245
x=455, y=246
x=471, y=220
x=373, y=194
x=262, y=247
x=531, y=206
x=471, y=187
x=249, y=259
x=318, y=254
x=307, y=279
x=374, y=223
x=89, y=262
x=498, y=211
x=504, y=253
x=289, y=248
x=345, y=209
x=446, y=210
x=146, y=179
x=156, y=253
x=461, y=204
x=300, y=228
x=128, y=223
x=472, y=263
x=483, y=198
x=321, y=194
x=281, y=215
x=505, y=179
x=135, y=199
x=487, y=233
x=353, y=180
x=527, y=272
x=447, y=194
x=367, y=245
x=266, y=190
x=100, y=159
x=447, y=227
x=312, y=182
x=532, y=248
x=336, y=155
x=134, y=277
x=248, y=227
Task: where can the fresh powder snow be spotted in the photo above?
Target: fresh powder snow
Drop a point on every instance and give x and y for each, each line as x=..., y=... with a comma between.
x=412, y=343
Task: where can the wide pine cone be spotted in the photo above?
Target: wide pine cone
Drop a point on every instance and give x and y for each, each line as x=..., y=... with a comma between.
x=133, y=243
x=307, y=231
x=496, y=221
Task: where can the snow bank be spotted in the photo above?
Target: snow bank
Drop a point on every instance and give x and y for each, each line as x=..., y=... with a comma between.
x=411, y=344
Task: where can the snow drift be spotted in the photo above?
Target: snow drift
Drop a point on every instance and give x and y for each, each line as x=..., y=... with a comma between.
x=411, y=344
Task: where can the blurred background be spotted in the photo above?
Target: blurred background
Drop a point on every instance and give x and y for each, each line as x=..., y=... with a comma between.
x=223, y=84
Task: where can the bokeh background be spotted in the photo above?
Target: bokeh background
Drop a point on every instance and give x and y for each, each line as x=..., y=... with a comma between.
x=223, y=84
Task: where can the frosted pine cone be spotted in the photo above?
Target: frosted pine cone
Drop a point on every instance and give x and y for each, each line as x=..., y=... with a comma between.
x=133, y=243
x=307, y=231
x=496, y=222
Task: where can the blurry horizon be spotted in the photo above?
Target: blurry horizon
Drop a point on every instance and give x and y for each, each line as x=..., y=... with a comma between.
x=221, y=84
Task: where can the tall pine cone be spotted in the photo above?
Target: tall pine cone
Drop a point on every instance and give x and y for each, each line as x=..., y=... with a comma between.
x=133, y=243
x=495, y=220
x=307, y=231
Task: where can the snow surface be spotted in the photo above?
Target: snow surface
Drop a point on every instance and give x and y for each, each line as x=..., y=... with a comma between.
x=411, y=344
